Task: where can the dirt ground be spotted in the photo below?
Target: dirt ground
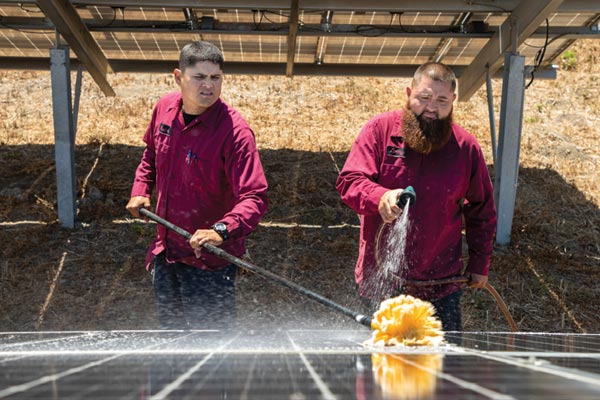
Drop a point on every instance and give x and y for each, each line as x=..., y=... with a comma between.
x=93, y=277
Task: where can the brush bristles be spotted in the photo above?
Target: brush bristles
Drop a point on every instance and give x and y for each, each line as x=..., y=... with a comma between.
x=406, y=321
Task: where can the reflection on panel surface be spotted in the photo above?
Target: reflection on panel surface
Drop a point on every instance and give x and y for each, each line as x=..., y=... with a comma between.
x=294, y=365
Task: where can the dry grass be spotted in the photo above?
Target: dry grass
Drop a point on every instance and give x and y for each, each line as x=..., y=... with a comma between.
x=304, y=128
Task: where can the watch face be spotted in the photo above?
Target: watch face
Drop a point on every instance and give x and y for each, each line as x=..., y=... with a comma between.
x=221, y=229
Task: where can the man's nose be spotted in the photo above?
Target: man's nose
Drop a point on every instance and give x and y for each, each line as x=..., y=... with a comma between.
x=431, y=105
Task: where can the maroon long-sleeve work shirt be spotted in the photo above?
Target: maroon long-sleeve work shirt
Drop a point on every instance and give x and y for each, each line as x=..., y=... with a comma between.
x=443, y=180
x=205, y=172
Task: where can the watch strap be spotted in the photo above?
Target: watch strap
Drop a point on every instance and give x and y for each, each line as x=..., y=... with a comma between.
x=221, y=229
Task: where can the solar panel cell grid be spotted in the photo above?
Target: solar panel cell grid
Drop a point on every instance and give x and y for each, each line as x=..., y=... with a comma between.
x=364, y=44
x=295, y=364
x=290, y=364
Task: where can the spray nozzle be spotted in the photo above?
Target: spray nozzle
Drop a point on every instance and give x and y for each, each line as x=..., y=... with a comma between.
x=408, y=194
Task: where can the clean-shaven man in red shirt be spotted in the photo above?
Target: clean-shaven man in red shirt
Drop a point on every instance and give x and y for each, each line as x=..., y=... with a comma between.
x=202, y=160
x=420, y=146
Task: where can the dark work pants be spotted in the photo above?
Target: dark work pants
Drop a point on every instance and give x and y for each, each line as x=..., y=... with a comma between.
x=447, y=309
x=192, y=298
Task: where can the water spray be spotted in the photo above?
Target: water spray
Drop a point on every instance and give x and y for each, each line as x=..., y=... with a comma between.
x=399, y=320
x=407, y=196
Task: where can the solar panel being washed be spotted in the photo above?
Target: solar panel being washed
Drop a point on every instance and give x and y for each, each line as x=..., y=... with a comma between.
x=295, y=364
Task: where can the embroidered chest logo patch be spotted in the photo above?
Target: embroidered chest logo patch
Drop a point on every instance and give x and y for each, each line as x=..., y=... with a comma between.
x=396, y=151
x=164, y=129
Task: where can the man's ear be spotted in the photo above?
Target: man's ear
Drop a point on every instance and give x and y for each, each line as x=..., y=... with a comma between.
x=177, y=75
x=408, y=91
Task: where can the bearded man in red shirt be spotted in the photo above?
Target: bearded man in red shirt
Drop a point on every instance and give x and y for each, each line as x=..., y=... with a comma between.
x=201, y=158
x=420, y=146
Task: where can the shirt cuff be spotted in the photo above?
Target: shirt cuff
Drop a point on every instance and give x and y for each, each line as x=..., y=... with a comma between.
x=371, y=205
x=478, y=264
x=141, y=189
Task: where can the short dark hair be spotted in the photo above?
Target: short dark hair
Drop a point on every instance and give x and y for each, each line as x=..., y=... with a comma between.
x=195, y=52
x=436, y=71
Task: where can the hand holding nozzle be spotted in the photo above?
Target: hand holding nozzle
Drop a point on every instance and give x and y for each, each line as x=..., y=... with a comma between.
x=393, y=201
x=408, y=195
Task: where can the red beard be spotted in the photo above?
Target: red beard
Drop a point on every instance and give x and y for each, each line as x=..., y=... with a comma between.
x=425, y=135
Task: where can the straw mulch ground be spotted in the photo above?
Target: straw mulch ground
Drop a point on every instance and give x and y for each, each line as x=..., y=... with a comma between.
x=93, y=277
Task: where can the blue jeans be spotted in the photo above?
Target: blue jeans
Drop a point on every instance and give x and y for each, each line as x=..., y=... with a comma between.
x=191, y=298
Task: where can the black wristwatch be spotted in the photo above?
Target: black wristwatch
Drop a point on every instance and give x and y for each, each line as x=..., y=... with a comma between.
x=221, y=229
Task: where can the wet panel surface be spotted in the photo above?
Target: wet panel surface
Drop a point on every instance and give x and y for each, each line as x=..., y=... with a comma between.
x=331, y=364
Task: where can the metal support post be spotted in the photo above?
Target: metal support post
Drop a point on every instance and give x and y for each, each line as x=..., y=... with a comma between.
x=509, y=142
x=490, y=100
x=78, y=82
x=64, y=135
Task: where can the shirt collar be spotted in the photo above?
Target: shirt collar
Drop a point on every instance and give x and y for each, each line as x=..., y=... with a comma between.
x=211, y=115
x=208, y=117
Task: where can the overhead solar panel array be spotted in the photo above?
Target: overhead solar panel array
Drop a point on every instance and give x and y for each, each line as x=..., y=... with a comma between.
x=377, y=37
x=258, y=35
